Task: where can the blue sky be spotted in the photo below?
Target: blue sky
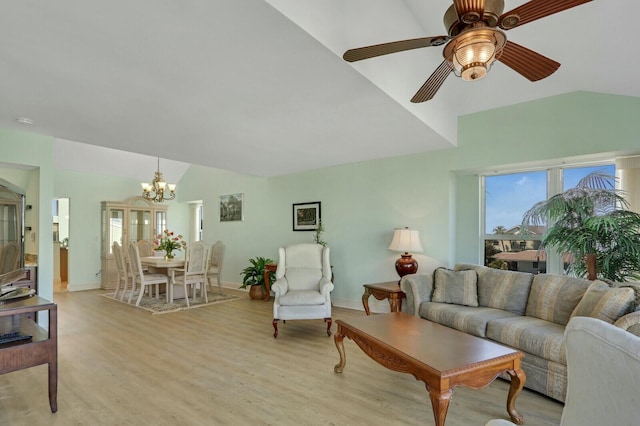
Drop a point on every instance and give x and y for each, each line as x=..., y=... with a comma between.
x=509, y=196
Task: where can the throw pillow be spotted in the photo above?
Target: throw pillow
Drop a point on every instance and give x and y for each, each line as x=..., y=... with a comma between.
x=604, y=302
x=456, y=287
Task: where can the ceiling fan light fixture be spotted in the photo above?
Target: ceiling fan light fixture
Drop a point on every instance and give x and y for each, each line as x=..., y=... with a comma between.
x=473, y=51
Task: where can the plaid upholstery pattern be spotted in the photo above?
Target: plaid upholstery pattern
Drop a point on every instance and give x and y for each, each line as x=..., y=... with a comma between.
x=554, y=297
x=457, y=287
x=497, y=288
x=471, y=320
x=532, y=335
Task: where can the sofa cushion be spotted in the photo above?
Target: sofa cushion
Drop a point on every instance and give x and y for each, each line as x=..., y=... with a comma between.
x=604, y=302
x=533, y=335
x=457, y=287
x=500, y=289
x=471, y=320
x=554, y=297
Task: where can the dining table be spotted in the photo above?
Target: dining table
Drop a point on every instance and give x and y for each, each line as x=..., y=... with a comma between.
x=160, y=265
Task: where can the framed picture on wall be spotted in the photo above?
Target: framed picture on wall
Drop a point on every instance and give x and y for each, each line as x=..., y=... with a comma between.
x=231, y=207
x=306, y=216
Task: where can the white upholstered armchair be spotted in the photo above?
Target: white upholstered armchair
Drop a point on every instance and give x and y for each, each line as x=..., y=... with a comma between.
x=303, y=284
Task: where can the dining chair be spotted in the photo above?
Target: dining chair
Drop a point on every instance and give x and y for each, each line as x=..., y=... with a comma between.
x=145, y=248
x=215, y=264
x=139, y=277
x=121, y=267
x=194, y=273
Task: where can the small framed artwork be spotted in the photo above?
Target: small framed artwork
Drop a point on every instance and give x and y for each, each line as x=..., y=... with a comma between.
x=306, y=216
x=231, y=207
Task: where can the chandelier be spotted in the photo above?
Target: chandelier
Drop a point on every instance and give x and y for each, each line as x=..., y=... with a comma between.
x=156, y=190
x=473, y=51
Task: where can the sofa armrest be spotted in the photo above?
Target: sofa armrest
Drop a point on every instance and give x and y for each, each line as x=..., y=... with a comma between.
x=418, y=288
x=630, y=323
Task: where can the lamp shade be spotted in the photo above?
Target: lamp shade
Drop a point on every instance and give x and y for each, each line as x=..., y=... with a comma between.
x=406, y=240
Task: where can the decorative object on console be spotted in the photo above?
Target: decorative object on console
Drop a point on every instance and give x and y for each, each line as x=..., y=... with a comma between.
x=317, y=238
x=155, y=191
x=406, y=240
x=169, y=243
x=307, y=216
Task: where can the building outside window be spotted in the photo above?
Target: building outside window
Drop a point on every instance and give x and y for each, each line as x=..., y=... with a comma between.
x=505, y=198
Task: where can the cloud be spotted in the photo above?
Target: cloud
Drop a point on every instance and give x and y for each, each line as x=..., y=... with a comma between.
x=522, y=181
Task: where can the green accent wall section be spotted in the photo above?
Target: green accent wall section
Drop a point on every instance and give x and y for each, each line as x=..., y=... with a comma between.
x=434, y=192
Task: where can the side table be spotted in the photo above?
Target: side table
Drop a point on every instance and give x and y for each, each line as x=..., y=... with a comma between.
x=389, y=290
x=269, y=267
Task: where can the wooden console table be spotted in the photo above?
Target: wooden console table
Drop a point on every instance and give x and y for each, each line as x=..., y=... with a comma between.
x=41, y=349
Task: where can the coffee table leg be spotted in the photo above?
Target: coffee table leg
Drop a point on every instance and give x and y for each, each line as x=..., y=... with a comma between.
x=517, y=383
x=338, y=338
x=440, y=404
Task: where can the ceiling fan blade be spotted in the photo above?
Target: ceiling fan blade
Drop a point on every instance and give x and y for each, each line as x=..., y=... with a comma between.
x=469, y=11
x=535, y=9
x=367, y=52
x=526, y=62
x=433, y=83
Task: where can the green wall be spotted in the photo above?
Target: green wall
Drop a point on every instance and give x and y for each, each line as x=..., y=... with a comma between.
x=435, y=192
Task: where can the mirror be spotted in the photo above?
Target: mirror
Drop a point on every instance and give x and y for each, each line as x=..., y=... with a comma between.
x=12, y=207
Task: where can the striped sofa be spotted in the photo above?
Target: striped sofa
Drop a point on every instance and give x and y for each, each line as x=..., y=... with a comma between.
x=521, y=310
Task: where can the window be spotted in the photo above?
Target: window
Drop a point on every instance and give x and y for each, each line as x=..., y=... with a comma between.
x=506, y=198
x=199, y=222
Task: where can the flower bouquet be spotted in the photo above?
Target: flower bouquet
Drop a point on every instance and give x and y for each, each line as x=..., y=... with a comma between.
x=169, y=243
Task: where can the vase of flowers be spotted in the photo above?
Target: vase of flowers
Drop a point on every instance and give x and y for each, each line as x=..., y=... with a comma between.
x=169, y=242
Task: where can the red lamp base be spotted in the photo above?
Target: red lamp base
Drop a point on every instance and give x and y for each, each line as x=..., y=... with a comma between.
x=406, y=265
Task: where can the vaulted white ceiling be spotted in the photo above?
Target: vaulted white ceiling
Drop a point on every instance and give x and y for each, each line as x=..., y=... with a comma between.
x=260, y=87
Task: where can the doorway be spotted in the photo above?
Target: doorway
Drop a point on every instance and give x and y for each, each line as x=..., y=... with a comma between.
x=60, y=211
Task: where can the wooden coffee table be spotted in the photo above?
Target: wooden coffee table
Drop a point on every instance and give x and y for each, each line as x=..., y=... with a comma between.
x=439, y=356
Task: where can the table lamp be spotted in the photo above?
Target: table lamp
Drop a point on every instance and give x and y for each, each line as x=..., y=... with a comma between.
x=406, y=240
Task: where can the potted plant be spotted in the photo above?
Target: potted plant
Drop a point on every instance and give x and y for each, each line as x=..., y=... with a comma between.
x=591, y=221
x=253, y=276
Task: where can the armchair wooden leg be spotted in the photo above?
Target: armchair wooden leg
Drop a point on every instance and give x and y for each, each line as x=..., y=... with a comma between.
x=328, y=321
x=275, y=327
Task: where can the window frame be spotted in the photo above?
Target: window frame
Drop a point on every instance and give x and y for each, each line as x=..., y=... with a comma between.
x=555, y=184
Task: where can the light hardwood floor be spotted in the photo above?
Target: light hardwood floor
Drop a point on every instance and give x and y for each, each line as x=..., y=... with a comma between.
x=220, y=365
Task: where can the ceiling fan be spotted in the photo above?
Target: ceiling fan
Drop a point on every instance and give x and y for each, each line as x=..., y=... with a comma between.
x=475, y=40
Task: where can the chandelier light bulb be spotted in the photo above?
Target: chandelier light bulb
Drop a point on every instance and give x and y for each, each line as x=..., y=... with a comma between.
x=155, y=191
